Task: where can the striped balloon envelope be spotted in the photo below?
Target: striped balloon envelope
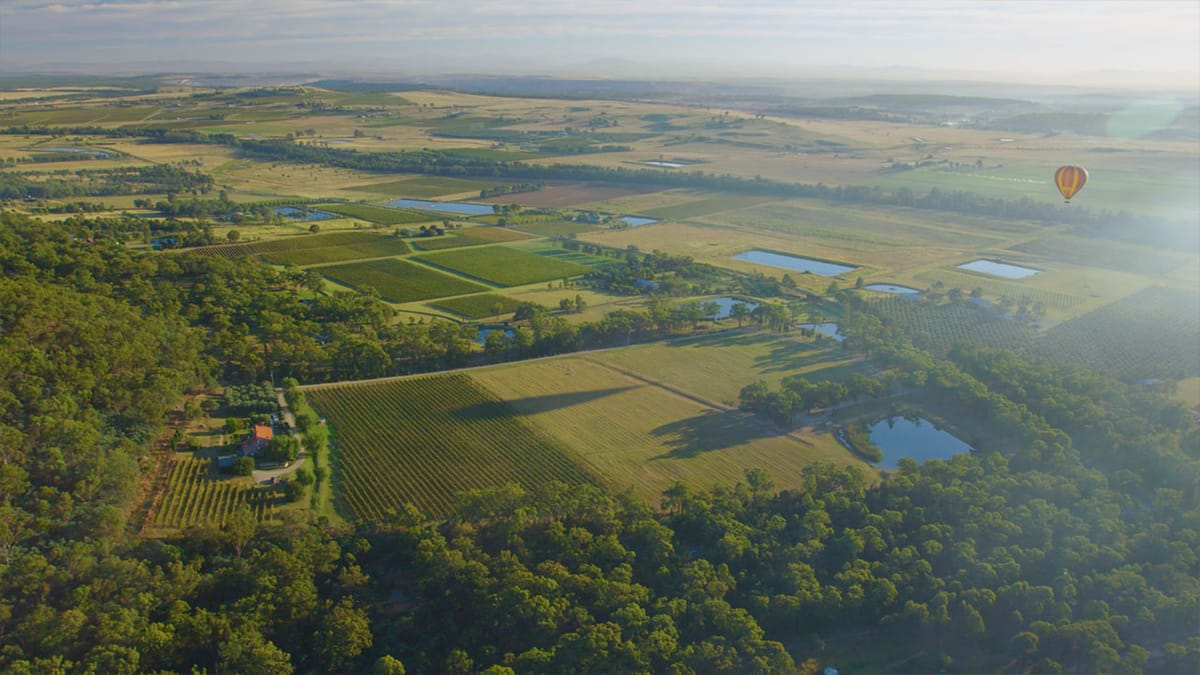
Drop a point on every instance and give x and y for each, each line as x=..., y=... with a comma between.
x=1070, y=180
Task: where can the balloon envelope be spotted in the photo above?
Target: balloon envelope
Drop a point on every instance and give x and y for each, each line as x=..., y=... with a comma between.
x=1070, y=180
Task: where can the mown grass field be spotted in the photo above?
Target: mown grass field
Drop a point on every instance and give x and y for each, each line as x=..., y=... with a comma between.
x=504, y=266
x=634, y=432
x=472, y=236
x=557, y=228
x=478, y=306
x=398, y=280
x=422, y=440
x=375, y=214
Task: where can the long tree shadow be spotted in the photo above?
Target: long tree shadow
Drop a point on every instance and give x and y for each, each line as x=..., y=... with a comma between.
x=709, y=431
x=791, y=356
x=533, y=404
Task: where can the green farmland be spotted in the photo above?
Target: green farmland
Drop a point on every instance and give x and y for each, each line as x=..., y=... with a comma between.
x=423, y=440
x=375, y=214
x=504, y=266
x=477, y=306
x=399, y=280
x=473, y=236
x=329, y=248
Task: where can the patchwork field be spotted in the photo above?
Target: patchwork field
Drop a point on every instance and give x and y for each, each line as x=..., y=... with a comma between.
x=422, y=440
x=399, y=280
x=504, y=266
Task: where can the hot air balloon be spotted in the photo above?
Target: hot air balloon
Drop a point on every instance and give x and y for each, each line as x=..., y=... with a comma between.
x=1070, y=180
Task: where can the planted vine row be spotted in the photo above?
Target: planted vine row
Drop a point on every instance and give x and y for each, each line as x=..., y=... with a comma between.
x=192, y=498
x=424, y=440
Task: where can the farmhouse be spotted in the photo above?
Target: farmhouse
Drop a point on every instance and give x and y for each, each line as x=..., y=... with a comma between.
x=259, y=437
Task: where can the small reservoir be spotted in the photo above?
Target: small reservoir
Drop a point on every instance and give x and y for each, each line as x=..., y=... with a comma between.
x=638, y=221
x=793, y=262
x=921, y=440
x=999, y=269
x=301, y=214
x=727, y=304
x=81, y=151
x=482, y=336
x=892, y=288
x=665, y=165
x=829, y=330
x=459, y=208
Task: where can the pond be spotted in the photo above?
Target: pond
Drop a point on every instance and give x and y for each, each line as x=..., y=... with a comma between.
x=460, y=208
x=793, y=262
x=999, y=269
x=301, y=214
x=899, y=437
x=638, y=221
x=481, y=338
x=82, y=151
x=829, y=330
x=892, y=288
x=665, y=165
x=727, y=305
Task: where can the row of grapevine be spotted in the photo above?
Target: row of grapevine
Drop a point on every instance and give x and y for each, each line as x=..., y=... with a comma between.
x=423, y=440
x=1151, y=334
x=937, y=328
x=192, y=498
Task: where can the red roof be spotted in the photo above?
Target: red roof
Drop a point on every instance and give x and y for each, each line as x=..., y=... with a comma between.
x=263, y=432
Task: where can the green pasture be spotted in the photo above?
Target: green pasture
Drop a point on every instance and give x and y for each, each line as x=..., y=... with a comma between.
x=504, y=266
x=375, y=214
x=557, y=227
x=472, y=236
x=479, y=306
x=398, y=280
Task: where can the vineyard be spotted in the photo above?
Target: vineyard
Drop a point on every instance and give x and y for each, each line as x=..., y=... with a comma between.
x=938, y=327
x=400, y=280
x=993, y=288
x=376, y=214
x=423, y=440
x=364, y=246
x=1153, y=333
x=505, y=266
x=477, y=306
x=192, y=498
x=469, y=237
x=227, y=251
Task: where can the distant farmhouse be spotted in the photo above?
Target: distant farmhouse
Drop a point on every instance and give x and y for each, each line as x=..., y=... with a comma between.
x=259, y=437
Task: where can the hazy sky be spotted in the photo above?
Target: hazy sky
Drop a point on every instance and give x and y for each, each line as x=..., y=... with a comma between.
x=1045, y=39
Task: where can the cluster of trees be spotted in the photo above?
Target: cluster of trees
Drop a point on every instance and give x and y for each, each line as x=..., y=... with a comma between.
x=797, y=393
x=125, y=180
x=509, y=189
